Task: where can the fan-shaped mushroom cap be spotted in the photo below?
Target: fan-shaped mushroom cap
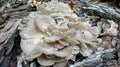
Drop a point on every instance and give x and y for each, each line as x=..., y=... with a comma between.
x=60, y=64
x=30, y=48
x=54, y=7
x=45, y=61
x=65, y=52
x=46, y=48
x=42, y=22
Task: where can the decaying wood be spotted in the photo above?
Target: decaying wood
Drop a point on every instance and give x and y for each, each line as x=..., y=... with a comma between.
x=101, y=11
x=24, y=7
x=98, y=59
x=3, y=17
x=7, y=36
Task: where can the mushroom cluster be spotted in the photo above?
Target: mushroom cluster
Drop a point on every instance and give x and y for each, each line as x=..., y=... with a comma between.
x=55, y=34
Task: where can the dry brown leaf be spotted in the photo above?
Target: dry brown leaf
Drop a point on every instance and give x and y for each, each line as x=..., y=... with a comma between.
x=71, y=4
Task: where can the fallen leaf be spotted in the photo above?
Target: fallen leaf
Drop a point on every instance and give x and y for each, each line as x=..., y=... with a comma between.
x=71, y=4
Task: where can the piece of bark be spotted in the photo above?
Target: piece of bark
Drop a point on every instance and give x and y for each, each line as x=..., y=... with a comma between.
x=8, y=36
x=98, y=59
x=100, y=10
x=118, y=51
x=106, y=44
x=23, y=7
x=3, y=17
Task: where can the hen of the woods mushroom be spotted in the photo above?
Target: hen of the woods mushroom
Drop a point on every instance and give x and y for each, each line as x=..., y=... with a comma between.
x=55, y=34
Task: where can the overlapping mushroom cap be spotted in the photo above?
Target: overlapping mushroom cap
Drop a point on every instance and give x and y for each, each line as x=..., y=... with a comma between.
x=55, y=34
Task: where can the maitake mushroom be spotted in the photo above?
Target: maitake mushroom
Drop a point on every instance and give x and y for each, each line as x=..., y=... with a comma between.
x=55, y=34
